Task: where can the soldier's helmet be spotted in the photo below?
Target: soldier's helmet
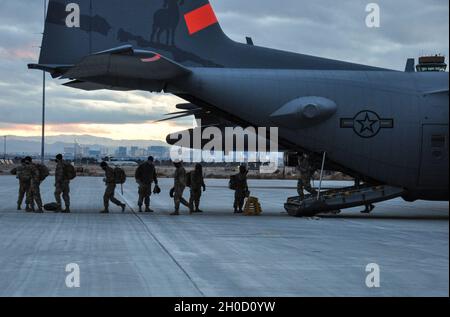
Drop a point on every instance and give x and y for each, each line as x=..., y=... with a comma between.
x=198, y=167
x=177, y=162
x=28, y=159
x=103, y=164
x=59, y=157
x=242, y=169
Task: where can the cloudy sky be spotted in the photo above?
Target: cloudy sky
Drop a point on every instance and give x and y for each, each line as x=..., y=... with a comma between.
x=328, y=28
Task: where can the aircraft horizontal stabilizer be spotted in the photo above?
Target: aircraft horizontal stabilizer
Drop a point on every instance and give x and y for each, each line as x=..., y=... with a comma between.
x=124, y=62
x=53, y=69
x=89, y=86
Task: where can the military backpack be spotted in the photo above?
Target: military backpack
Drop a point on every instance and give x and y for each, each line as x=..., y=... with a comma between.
x=188, y=179
x=43, y=172
x=119, y=176
x=233, y=182
x=69, y=171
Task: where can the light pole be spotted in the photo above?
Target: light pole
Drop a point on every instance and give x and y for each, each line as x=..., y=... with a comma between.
x=43, y=101
x=4, y=147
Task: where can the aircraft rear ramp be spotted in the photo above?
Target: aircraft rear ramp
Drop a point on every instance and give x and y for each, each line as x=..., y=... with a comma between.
x=337, y=199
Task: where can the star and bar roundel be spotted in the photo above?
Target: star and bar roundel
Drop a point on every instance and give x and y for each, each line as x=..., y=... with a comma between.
x=367, y=124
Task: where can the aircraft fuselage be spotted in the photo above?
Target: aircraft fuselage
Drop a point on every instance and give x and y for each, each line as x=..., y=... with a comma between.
x=390, y=126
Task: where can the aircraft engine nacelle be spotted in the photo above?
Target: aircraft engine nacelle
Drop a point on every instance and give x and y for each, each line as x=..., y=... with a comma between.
x=304, y=112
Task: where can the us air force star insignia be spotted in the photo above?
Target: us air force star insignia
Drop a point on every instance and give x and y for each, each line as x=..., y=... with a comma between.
x=367, y=124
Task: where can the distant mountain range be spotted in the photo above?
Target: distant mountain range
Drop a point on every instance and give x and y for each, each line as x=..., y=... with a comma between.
x=56, y=144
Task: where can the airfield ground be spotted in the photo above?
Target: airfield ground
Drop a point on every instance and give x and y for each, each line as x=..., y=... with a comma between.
x=218, y=253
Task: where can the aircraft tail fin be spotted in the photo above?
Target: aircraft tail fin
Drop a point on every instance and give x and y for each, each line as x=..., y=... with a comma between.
x=186, y=31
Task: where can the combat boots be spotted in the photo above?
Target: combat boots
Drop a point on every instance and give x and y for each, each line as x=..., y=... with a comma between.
x=19, y=207
x=105, y=211
x=140, y=208
x=39, y=211
x=147, y=209
x=28, y=209
x=66, y=211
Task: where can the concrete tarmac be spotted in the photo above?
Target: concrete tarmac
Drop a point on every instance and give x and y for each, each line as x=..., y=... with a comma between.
x=218, y=253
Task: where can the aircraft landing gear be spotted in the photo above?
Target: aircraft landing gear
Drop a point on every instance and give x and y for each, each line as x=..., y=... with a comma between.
x=369, y=209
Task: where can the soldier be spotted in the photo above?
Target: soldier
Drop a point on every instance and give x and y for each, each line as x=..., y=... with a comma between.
x=146, y=175
x=35, y=190
x=306, y=175
x=196, y=183
x=110, y=183
x=179, y=186
x=62, y=184
x=240, y=189
x=24, y=178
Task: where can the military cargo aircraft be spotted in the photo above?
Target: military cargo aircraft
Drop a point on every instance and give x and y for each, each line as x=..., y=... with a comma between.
x=387, y=128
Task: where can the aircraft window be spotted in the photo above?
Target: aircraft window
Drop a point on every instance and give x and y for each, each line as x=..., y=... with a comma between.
x=438, y=141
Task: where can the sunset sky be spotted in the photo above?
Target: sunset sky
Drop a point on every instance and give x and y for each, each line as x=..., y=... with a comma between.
x=326, y=28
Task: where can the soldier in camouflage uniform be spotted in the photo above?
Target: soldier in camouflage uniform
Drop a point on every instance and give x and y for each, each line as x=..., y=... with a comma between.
x=24, y=176
x=35, y=190
x=62, y=185
x=146, y=175
x=178, y=188
x=241, y=189
x=306, y=175
x=197, y=184
x=110, y=190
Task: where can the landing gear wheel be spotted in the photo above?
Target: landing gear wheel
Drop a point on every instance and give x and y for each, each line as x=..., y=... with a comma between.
x=369, y=209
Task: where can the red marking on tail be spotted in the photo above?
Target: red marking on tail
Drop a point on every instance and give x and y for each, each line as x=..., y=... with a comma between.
x=155, y=58
x=199, y=19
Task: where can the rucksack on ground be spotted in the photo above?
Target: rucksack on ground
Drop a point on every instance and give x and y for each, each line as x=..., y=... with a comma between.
x=69, y=171
x=51, y=207
x=43, y=172
x=119, y=176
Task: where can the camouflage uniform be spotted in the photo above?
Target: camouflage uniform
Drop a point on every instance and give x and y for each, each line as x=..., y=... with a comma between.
x=35, y=190
x=240, y=192
x=62, y=185
x=179, y=186
x=197, y=184
x=304, y=182
x=145, y=175
x=23, y=174
x=110, y=189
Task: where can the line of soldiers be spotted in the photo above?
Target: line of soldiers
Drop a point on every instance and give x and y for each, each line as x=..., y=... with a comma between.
x=31, y=176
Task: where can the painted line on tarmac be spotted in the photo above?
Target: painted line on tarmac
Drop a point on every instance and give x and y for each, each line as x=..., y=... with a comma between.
x=162, y=245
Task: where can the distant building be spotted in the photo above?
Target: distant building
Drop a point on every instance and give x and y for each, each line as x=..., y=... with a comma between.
x=159, y=152
x=69, y=153
x=133, y=151
x=121, y=152
x=95, y=153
